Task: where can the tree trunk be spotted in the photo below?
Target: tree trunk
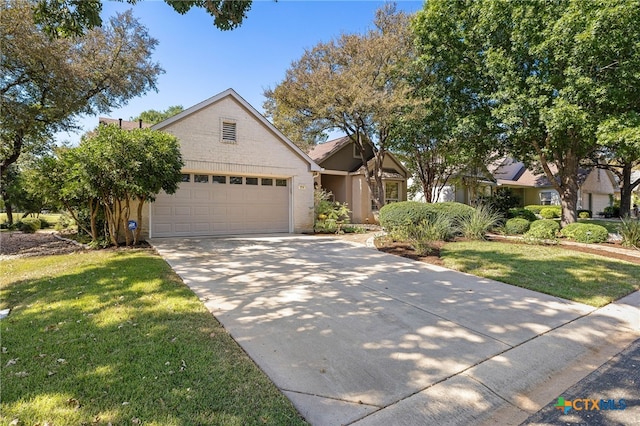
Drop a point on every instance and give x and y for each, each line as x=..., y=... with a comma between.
x=625, y=191
x=124, y=220
x=9, y=210
x=569, y=203
x=136, y=236
x=93, y=214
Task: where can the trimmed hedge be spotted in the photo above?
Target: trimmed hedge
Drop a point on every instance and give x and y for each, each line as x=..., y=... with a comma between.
x=545, y=229
x=537, y=208
x=549, y=213
x=585, y=233
x=522, y=213
x=414, y=212
x=517, y=226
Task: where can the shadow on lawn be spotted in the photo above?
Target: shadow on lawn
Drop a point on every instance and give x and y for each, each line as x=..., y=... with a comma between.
x=121, y=341
x=591, y=279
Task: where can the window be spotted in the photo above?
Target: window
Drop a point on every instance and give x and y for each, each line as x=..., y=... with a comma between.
x=548, y=198
x=201, y=178
x=186, y=177
x=267, y=182
x=281, y=182
x=219, y=179
x=235, y=180
x=229, y=132
x=392, y=192
x=251, y=181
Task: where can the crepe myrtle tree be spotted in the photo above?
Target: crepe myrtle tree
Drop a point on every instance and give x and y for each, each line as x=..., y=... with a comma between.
x=109, y=170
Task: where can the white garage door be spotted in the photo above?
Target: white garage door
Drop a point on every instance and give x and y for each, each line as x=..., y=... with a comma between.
x=219, y=205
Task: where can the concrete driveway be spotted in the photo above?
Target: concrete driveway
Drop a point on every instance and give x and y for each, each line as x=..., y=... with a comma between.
x=353, y=335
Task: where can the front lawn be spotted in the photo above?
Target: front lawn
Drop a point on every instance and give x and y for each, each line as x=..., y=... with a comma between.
x=115, y=337
x=586, y=278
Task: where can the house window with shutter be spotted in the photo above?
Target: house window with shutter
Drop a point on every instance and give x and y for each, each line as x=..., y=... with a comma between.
x=229, y=134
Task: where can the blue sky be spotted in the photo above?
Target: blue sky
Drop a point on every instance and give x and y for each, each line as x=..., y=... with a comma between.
x=200, y=60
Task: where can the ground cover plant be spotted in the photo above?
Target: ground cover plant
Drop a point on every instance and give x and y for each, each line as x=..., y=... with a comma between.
x=585, y=278
x=114, y=337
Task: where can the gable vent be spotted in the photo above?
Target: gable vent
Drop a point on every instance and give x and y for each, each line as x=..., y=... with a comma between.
x=228, y=131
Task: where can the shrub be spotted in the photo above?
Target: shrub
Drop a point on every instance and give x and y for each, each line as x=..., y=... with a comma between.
x=585, y=233
x=548, y=213
x=413, y=212
x=517, y=226
x=545, y=229
x=612, y=211
x=537, y=208
x=481, y=220
x=522, y=213
x=421, y=236
x=584, y=214
x=44, y=223
x=630, y=232
x=29, y=225
x=502, y=201
x=330, y=216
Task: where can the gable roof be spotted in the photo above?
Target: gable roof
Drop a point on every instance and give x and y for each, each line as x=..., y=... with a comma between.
x=322, y=151
x=259, y=117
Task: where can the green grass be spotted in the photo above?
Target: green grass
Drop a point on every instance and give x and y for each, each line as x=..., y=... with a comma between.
x=591, y=279
x=52, y=218
x=114, y=336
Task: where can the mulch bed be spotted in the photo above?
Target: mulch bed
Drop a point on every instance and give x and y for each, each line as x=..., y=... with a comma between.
x=18, y=244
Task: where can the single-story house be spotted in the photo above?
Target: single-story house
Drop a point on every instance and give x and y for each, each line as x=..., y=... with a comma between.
x=241, y=175
x=343, y=175
x=597, y=187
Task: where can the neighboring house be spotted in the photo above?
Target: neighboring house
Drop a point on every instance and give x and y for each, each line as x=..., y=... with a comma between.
x=597, y=187
x=240, y=175
x=124, y=124
x=343, y=175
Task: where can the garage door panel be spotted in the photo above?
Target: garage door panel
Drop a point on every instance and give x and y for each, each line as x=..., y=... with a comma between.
x=182, y=211
x=200, y=227
x=219, y=195
x=200, y=194
x=182, y=228
x=218, y=209
x=201, y=210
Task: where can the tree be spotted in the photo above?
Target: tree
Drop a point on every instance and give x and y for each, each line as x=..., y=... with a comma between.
x=46, y=83
x=75, y=17
x=113, y=167
x=353, y=84
x=152, y=116
x=620, y=139
x=451, y=134
x=561, y=70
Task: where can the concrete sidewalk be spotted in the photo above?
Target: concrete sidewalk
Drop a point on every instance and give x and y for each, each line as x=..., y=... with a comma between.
x=352, y=335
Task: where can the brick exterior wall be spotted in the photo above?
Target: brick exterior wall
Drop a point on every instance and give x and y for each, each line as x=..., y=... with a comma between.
x=258, y=151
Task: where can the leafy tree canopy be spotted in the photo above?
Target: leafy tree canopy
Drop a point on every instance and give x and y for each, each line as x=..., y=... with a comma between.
x=47, y=82
x=152, y=116
x=353, y=84
x=65, y=18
